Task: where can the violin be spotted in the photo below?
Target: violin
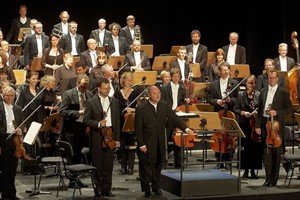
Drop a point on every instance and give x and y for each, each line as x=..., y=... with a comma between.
x=20, y=152
x=253, y=136
x=108, y=142
x=273, y=138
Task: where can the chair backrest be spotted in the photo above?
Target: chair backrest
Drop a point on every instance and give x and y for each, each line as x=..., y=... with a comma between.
x=20, y=75
x=66, y=151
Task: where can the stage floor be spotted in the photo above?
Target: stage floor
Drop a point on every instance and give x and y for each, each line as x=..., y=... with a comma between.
x=250, y=188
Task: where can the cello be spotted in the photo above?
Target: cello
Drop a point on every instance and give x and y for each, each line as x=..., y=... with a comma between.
x=293, y=74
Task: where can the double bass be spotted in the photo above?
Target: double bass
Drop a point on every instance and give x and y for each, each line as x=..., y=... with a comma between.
x=293, y=74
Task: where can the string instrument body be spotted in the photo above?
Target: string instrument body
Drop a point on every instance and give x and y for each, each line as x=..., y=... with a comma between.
x=293, y=74
x=273, y=138
x=107, y=142
x=20, y=151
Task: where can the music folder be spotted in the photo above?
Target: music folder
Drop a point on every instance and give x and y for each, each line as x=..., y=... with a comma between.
x=128, y=125
x=144, y=77
x=162, y=62
x=240, y=71
x=200, y=90
x=148, y=49
x=196, y=70
x=22, y=32
x=32, y=133
x=36, y=64
x=175, y=49
x=116, y=61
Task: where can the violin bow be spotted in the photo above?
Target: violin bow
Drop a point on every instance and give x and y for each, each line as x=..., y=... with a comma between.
x=227, y=95
x=24, y=121
x=135, y=99
x=33, y=99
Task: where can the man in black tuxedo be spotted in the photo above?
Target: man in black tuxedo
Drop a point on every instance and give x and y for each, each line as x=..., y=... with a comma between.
x=223, y=102
x=197, y=53
x=131, y=31
x=72, y=36
x=174, y=94
x=181, y=63
x=101, y=33
x=274, y=102
x=102, y=116
x=21, y=22
x=35, y=45
x=9, y=113
x=234, y=53
x=62, y=28
x=152, y=118
x=88, y=57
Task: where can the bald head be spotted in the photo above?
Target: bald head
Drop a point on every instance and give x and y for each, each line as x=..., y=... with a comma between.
x=154, y=94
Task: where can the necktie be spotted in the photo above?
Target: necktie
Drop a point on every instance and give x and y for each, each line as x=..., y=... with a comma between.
x=82, y=101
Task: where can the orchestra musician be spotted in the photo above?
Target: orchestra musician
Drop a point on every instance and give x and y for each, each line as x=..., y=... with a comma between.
x=35, y=45
x=152, y=118
x=234, y=53
x=283, y=62
x=101, y=33
x=181, y=63
x=102, y=115
x=281, y=105
x=6, y=69
x=29, y=101
x=53, y=56
x=127, y=102
x=12, y=60
x=174, y=93
x=214, y=72
x=137, y=59
x=219, y=98
x=63, y=26
x=21, y=22
x=131, y=31
x=245, y=106
x=109, y=74
x=116, y=40
x=9, y=113
x=88, y=57
x=64, y=73
x=198, y=52
x=96, y=71
x=165, y=78
x=263, y=80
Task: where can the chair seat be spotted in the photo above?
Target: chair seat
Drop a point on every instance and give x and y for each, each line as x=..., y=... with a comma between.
x=54, y=159
x=292, y=157
x=80, y=167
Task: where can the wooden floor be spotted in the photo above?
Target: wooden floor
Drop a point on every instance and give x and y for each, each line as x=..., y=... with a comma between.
x=128, y=187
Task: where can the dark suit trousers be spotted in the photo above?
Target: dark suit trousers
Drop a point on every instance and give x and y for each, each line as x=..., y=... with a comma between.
x=8, y=166
x=149, y=172
x=272, y=164
x=103, y=160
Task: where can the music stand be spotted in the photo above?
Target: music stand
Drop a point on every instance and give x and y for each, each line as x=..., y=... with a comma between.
x=162, y=62
x=200, y=90
x=100, y=49
x=196, y=70
x=286, y=83
x=204, y=107
x=148, y=49
x=30, y=139
x=138, y=76
x=232, y=124
x=211, y=57
x=116, y=61
x=174, y=50
x=22, y=31
x=36, y=64
x=76, y=59
x=128, y=125
x=240, y=71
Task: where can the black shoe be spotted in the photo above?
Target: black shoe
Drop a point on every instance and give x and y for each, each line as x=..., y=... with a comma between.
x=253, y=175
x=245, y=175
x=123, y=171
x=219, y=166
x=108, y=194
x=148, y=194
x=130, y=171
x=227, y=166
x=98, y=195
x=158, y=192
x=266, y=184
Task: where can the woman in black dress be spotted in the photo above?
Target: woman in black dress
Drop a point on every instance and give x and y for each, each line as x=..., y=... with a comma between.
x=245, y=107
x=127, y=101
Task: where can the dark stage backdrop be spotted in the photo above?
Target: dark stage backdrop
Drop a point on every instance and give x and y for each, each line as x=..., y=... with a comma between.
x=261, y=25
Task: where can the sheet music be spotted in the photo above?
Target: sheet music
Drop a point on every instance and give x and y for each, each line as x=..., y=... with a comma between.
x=32, y=133
x=183, y=114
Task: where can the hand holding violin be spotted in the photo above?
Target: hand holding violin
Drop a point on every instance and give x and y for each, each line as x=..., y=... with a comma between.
x=103, y=123
x=272, y=113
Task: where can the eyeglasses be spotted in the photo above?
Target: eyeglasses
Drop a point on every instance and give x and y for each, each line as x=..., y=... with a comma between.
x=251, y=83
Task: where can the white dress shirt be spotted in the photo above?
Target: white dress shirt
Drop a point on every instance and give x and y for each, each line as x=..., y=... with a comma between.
x=283, y=64
x=9, y=115
x=269, y=100
x=223, y=86
x=231, y=54
x=39, y=45
x=175, y=89
x=117, y=47
x=73, y=41
x=106, y=108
